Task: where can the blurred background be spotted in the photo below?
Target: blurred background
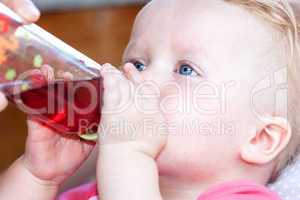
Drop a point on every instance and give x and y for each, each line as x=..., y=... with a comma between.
x=98, y=28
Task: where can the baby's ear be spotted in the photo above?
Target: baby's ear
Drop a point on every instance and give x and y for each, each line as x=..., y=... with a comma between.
x=267, y=143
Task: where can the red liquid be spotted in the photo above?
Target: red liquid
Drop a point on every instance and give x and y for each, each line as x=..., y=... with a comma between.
x=69, y=107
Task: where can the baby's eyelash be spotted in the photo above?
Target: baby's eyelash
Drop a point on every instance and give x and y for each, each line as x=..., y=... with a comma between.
x=184, y=67
x=140, y=66
x=190, y=69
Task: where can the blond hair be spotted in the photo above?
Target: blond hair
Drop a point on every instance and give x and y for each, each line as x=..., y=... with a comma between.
x=282, y=14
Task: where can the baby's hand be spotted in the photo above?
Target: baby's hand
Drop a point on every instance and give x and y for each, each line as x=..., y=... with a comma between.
x=131, y=136
x=131, y=114
x=48, y=160
x=50, y=156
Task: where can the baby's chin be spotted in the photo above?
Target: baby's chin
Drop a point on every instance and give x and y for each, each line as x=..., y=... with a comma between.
x=179, y=161
x=181, y=169
x=199, y=158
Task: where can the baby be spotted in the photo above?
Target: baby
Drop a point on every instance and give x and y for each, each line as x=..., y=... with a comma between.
x=198, y=111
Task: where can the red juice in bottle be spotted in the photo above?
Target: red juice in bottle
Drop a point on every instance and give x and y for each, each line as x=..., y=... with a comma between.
x=70, y=106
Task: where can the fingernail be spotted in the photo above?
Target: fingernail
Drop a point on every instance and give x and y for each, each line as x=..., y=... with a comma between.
x=29, y=11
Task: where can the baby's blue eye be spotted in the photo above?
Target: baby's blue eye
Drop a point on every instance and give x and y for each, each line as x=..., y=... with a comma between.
x=139, y=66
x=187, y=70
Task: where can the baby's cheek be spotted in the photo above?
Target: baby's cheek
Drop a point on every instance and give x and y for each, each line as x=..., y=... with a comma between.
x=195, y=157
x=176, y=99
x=186, y=95
x=187, y=101
x=196, y=139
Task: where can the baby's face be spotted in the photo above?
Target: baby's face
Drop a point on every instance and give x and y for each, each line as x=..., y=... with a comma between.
x=206, y=56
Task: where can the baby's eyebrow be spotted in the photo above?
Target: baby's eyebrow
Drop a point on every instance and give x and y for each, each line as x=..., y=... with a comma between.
x=134, y=43
x=132, y=48
x=185, y=47
x=131, y=45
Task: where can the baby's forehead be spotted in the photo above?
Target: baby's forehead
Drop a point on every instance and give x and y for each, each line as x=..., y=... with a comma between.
x=191, y=13
x=205, y=25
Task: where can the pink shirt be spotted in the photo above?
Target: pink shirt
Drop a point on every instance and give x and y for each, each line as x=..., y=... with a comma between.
x=239, y=190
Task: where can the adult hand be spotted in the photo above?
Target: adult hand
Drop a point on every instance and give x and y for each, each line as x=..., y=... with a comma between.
x=25, y=8
x=3, y=102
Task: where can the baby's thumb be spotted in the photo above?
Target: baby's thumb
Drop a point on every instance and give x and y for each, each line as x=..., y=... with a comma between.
x=36, y=131
x=111, y=84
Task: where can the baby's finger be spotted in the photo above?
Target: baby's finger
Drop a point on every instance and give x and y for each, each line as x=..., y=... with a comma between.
x=132, y=73
x=144, y=87
x=38, y=78
x=123, y=87
x=3, y=102
x=25, y=8
x=68, y=76
x=48, y=72
x=109, y=69
x=111, y=77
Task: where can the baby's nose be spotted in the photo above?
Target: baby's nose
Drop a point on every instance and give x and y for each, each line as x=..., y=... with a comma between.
x=159, y=75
